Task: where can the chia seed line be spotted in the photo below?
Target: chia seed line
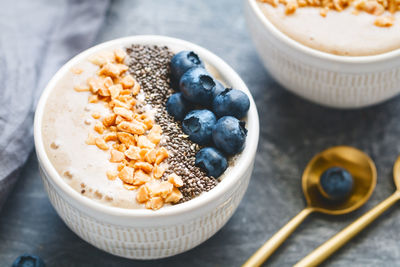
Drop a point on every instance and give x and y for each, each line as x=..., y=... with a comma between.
x=150, y=67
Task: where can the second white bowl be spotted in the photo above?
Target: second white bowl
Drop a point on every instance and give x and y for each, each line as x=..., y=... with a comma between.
x=326, y=79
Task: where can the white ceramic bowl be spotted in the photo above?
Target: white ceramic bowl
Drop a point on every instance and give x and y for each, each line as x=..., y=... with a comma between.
x=142, y=233
x=327, y=79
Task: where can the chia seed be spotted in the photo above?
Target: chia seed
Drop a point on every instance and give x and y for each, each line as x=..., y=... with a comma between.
x=149, y=65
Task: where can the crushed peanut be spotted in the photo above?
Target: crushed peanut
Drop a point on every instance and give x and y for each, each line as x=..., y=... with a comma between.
x=134, y=137
x=76, y=70
x=175, y=180
x=373, y=7
x=96, y=115
x=111, y=175
x=81, y=88
x=100, y=143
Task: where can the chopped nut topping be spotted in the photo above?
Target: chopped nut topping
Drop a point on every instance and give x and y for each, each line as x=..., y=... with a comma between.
x=110, y=137
x=134, y=135
x=175, y=180
x=113, y=70
x=109, y=120
x=99, y=127
x=385, y=21
x=96, y=115
x=54, y=145
x=116, y=156
x=133, y=127
x=129, y=186
x=123, y=112
x=151, y=156
x=133, y=153
x=115, y=90
x=162, y=154
x=155, y=134
x=140, y=178
x=93, y=99
x=143, y=194
x=155, y=203
x=81, y=88
x=144, y=142
x=174, y=196
x=126, y=138
x=374, y=7
x=127, y=81
x=91, y=139
x=158, y=171
x=120, y=55
x=76, y=70
x=163, y=189
x=147, y=167
x=136, y=89
x=126, y=175
x=100, y=143
x=111, y=175
x=68, y=174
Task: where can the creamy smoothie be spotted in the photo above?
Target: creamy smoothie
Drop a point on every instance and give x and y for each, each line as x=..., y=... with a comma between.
x=108, y=134
x=349, y=32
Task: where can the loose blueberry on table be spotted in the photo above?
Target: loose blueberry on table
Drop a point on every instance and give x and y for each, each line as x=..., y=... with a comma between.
x=27, y=260
x=208, y=99
x=337, y=183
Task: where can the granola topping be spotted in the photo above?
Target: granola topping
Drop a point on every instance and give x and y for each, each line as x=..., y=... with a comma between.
x=383, y=9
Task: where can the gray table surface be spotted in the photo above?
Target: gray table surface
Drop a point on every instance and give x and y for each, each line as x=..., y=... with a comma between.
x=292, y=131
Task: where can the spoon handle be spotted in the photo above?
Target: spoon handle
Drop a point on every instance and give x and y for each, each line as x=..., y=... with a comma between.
x=276, y=240
x=329, y=247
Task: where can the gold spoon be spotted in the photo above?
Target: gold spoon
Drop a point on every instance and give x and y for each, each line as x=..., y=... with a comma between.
x=360, y=166
x=329, y=247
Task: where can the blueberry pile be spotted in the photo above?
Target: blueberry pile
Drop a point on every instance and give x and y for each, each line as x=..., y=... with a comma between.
x=337, y=183
x=209, y=112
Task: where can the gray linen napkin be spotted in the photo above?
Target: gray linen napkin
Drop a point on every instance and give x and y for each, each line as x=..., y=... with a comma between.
x=36, y=38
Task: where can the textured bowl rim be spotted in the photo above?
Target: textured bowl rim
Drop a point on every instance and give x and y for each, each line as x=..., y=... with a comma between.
x=314, y=52
x=223, y=187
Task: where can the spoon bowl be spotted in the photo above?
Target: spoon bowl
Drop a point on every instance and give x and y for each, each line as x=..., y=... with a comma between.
x=360, y=166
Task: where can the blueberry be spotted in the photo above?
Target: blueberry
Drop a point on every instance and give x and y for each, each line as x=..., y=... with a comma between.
x=212, y=161
x=229, y=135
x=337, y=183
x=197, y=86
x=231, y=102
x=174, y=83
x=27, y=260
x=182, y=62
x=177, y=106
x=198, y=124
x=219, y=88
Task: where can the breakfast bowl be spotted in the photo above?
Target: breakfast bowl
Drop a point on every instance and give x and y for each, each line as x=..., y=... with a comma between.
x=338, y=81
x=144, y=233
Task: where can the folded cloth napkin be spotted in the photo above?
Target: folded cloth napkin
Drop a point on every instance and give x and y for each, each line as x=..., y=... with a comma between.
x=36, y=38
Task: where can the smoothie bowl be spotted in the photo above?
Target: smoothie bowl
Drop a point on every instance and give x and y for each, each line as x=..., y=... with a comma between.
x=343, y=54
x=135, y=162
